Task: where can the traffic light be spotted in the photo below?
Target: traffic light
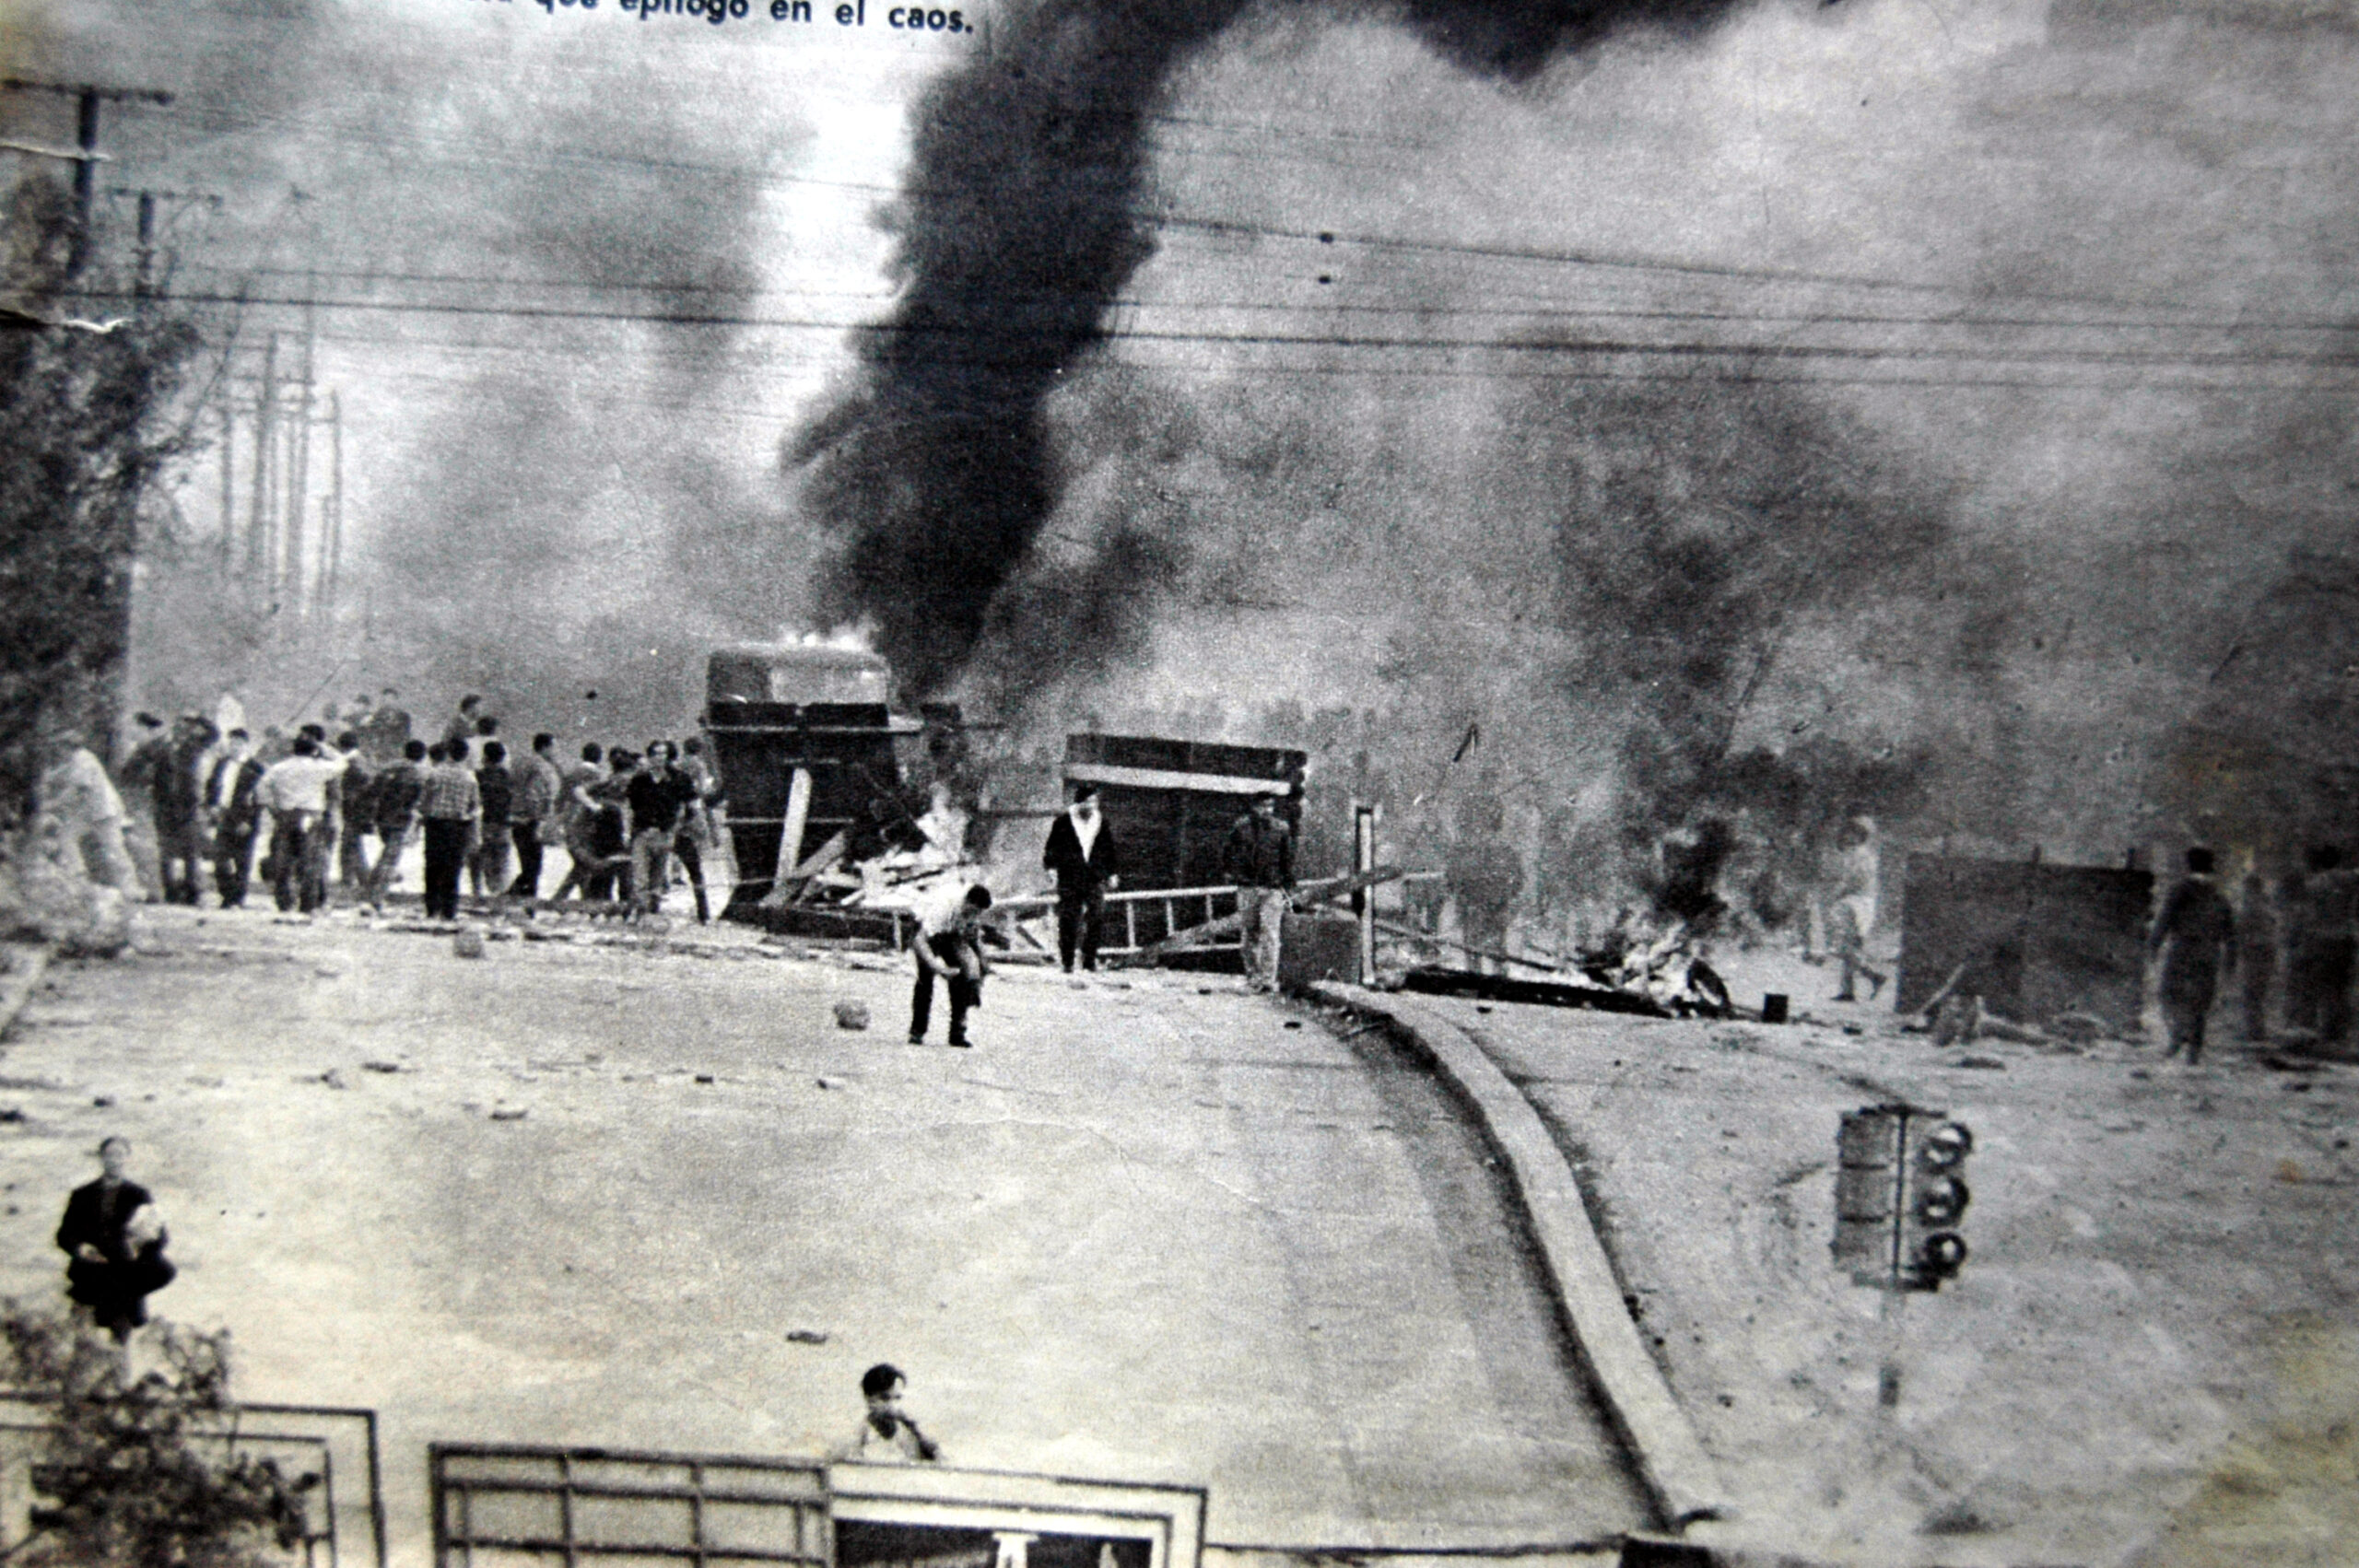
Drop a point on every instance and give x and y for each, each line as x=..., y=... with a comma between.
x=1899, y=1193
x=1936, y=1199
x=1867, y=1189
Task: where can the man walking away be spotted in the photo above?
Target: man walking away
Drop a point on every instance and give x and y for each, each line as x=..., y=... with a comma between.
x=237, y=818
x=1854, y=909
x=295, y=792
x=2200, y=931
x=357, y=813
x=1081, y=852
x=487, y=866
x=531, y=814
x=2322, y=947
x=663, y=801
x=449, y=809
x=1259, y=858
x=2257, y=954
x=950, y=947
x=398, y=791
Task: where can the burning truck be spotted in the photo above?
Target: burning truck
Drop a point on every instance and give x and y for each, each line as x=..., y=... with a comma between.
x=836, y=802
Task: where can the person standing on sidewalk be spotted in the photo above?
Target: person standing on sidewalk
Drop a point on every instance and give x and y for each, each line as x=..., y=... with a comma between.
x=1259, y=858
x=2200, y=931
x=531, y=814
x=663, y=801
x=1081, y=852
x=949, y=947
x=450, y=809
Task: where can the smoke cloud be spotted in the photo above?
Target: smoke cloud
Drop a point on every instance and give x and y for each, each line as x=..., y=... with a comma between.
x=1020, y=222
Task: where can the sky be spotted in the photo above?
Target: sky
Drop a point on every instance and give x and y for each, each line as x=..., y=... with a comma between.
x=2067, y=283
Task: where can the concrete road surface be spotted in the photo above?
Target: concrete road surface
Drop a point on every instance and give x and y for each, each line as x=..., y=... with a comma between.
x=1140, y=1233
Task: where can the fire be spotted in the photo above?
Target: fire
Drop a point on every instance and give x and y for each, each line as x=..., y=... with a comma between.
x=853, y=637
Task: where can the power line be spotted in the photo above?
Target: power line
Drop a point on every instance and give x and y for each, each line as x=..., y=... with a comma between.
x=1549, y=309
x=1622, y=346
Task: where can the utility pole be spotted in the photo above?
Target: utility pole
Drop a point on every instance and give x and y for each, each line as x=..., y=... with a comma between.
x=148, y=201
x=228, y=480
x=258, y=539
x=298, y=471
x=335, y=547
x=88, y=96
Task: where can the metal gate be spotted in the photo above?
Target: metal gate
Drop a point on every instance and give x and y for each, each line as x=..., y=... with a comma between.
x=526, y=1507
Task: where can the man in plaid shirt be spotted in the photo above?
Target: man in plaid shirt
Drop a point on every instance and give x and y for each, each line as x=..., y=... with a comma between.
x=450, y=808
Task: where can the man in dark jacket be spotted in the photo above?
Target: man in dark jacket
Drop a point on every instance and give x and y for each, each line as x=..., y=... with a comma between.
x=1081, y=852
x=1259, y=858
x=180, y=808
x=114, y=1244
x=237, y=818
x=2200, y=932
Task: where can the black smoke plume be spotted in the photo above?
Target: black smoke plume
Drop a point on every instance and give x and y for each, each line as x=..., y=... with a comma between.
x=1020, y=223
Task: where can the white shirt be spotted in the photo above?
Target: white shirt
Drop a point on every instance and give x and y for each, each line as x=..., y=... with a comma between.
x=938, y=912
x=297, y=784
x=1086, y=828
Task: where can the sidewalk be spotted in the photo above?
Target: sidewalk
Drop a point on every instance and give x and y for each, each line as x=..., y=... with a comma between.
x=1139, y=1232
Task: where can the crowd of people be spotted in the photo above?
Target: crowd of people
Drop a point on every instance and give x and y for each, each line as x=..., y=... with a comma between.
x=331, y=809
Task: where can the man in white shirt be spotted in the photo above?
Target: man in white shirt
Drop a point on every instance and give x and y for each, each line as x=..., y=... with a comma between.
x=296, y=793
x=949, y=945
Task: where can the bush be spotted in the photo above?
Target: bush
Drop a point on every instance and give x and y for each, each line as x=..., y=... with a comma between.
x=144, y=1471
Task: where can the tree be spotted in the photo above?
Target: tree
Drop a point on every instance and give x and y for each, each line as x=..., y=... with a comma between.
x=83, y=439
x=143, y=1472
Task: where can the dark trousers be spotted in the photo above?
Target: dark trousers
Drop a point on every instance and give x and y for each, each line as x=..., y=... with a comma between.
x=298, y=861
x=446, y=855
x=1081, y=923
x=117, y=1293
x=180, y=851
x=691, y=859
x=954, y=952
x=352, y=857
x=527, y=837
x=233, y=860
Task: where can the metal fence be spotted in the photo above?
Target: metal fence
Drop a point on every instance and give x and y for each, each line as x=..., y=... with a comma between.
x=528, y=1507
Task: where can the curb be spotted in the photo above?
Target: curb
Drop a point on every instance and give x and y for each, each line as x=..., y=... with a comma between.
x=1683, y=1479
x=17, y=987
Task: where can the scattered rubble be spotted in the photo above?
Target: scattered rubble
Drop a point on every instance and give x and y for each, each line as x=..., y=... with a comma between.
x=852, y=1015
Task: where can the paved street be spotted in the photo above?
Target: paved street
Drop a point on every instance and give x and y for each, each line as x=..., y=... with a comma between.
x=1142, y=1232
